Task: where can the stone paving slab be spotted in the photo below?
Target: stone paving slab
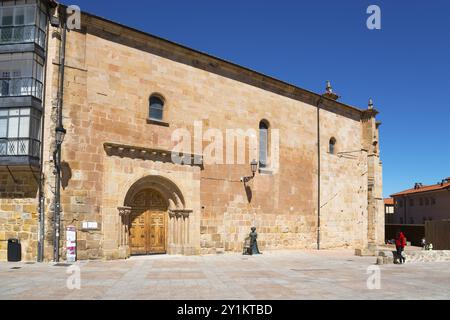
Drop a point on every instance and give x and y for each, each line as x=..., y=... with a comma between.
x=290, y=274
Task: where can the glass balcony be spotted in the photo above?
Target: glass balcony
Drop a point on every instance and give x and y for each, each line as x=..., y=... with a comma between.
x=20, y=87
x=21, y=74
x=23, y=22
x=19, y=135
x=22, y=34
x=19, y=147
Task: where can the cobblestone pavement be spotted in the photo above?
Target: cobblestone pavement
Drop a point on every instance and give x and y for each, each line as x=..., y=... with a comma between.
x=273, y=275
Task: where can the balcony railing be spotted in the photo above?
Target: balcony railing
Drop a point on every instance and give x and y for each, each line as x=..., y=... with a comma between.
x=20, y=87
x=20, y=147
x=22, y=34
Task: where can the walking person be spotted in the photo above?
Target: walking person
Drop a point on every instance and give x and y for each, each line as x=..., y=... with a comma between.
x=400, y=243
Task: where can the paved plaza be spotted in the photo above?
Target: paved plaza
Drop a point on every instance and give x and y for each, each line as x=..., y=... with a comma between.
x=273, y=275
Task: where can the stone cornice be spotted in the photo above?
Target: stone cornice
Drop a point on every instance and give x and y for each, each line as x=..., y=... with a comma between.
x=369, y=113
x=146, y=153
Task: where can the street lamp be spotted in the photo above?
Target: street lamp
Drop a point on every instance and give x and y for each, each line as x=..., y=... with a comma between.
x=254, y=168
x=60, y=134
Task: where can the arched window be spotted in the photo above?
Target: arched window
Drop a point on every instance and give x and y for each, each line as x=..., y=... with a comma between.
x=156, y=107
x=263, y=143
x=332, y=146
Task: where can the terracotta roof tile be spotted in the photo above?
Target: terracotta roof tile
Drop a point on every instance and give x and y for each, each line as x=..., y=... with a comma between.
x=433, y=187
x=389, y=201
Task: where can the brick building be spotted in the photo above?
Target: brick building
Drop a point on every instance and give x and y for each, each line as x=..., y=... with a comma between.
x=121, y=94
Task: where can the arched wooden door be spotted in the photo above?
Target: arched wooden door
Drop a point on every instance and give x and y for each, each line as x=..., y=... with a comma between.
x=148, y=223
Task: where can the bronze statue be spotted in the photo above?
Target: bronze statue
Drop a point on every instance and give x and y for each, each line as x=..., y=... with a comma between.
x=253, y=242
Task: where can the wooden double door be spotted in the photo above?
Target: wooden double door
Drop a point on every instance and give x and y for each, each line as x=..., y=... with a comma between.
x=148, y=232
x=148, y=223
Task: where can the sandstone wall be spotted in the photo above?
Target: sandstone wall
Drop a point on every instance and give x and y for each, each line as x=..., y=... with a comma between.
x=108, y=81
x=343, y=183
x=18, y=212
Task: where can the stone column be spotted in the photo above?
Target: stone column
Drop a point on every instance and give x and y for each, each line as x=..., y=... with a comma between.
x=180, y=229
x=186, y=227
x=175, y=230
x=127, y=230
x=172, y=230
x=375, y=210
x=124, y=213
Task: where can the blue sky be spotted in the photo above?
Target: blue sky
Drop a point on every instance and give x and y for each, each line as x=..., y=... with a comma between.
x=404, y=67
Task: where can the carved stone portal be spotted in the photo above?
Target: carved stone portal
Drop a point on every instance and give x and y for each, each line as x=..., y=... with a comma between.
x=150, y=194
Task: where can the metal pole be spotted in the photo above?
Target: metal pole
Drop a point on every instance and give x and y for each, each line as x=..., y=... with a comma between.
x=57, y=209
x=57, y=154
x=318, y=173
x=41, y=164
x=41, y=225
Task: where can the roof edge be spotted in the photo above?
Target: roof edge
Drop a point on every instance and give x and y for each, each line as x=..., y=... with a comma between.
x=289, y=87
x=416, y=191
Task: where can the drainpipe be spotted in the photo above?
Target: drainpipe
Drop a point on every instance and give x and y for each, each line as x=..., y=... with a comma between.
x=318, y=172
x=57, y=153
x=40, y=255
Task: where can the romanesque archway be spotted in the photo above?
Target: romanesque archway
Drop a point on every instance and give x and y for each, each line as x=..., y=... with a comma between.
x=154, y=218
x=148, y=223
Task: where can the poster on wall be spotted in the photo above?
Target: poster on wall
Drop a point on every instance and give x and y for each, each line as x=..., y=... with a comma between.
x=71, y=244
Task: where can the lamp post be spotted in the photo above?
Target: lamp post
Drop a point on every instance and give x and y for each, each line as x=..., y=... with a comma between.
x=60, y=133
x=254, y=168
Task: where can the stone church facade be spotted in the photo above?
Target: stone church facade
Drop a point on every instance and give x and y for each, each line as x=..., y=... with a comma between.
x=125, y=92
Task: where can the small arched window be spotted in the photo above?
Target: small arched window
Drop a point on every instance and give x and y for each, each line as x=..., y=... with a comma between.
x=332, y=146
x=156, y=107
x=263, y=143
